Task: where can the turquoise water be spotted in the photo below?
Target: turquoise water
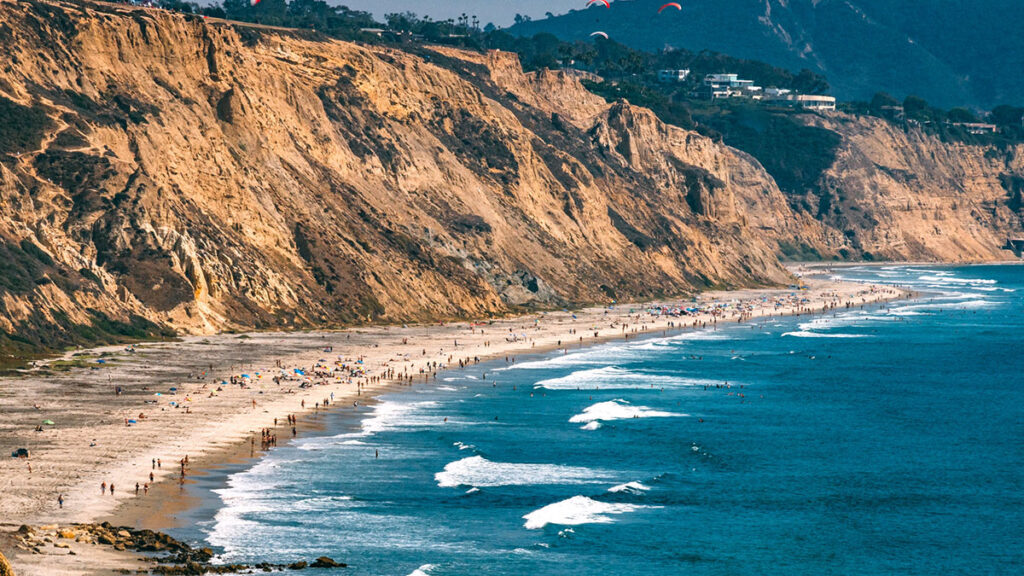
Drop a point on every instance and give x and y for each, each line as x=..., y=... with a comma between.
x=885, y=440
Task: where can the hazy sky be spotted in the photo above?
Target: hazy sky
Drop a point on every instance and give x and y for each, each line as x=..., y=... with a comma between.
x=500, y=12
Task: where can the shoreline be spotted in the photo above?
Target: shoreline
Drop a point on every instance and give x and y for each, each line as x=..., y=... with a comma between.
x=223, y=437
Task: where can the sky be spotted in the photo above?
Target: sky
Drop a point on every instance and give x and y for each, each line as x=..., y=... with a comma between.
x=500, y=12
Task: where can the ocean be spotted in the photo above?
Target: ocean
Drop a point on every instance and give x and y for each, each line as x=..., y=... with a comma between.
x=883, y=440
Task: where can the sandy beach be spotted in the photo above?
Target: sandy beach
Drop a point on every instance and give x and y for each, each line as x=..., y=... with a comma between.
x=116, y=410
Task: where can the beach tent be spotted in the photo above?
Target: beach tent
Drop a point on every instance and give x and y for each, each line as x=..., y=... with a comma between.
x=20, y=453
x=48, y=422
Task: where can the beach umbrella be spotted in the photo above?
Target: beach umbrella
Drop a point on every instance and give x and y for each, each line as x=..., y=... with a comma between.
x=174, y=389
x=48, y=422
x=132, y=422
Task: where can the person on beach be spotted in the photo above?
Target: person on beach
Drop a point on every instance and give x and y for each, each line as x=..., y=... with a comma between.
x=111, y=488
x=103, y=488
x=60, y=501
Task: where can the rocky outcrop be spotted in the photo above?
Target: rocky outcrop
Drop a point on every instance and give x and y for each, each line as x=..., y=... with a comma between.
x=165, y=554
x=5, y=566
x=193, y=174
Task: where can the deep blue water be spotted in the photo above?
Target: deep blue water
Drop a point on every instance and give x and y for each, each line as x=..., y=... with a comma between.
x=888, y=440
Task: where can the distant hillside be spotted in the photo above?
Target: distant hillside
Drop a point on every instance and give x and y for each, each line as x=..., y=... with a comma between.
x=950, y=52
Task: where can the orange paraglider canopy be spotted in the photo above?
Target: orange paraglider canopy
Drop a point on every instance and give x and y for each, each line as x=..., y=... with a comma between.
x=670, y=4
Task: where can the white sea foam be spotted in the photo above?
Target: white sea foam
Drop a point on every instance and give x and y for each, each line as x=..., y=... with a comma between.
x=593, y=425
x=611, y=377
x=943, y=304
x=807, y=334
x=597, y=355
x=688, y=336
x=385, y=416
x=856, y=318
x=392, y=415
x=630, y=487
x=619, y=410
x=619, y=351
x=945, y=278
x=422, y=570
x=448, y=388
x=577, y=510
x=320, y=503
x=482, y=473
x=247, y=493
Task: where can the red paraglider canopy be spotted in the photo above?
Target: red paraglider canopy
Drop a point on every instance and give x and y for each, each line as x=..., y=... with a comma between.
x=672, y=4
x=602, y=34
x=606, y=3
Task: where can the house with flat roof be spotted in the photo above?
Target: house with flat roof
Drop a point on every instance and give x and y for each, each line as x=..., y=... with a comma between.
x=977, y=127
x=673, y=76
x=728, y=86
x=805, y=101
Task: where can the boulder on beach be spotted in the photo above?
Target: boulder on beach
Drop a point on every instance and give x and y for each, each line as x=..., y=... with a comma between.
x=5, y=566
x=325, y=562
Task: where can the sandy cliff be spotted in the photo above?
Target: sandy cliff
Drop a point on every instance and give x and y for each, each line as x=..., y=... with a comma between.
x=187, y=173
x=905, y=194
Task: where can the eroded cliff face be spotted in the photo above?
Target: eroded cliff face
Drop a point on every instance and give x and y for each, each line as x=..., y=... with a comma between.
x=906, y=195
x=188, y=173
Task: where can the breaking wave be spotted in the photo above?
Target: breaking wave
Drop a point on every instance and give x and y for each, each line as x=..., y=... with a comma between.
x=578, y=510
x=619, y=410
x=611, y=377
x=482, y=473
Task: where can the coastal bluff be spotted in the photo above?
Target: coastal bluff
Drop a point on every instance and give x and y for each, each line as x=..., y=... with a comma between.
x=164, y=174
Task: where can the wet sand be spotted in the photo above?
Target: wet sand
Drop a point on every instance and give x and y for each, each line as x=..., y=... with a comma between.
x=90, y=443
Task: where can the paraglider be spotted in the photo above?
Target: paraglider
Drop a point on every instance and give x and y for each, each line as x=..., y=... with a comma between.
x=253, y=2
x=670, y=5
x=606, y=3
x=603, y=35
